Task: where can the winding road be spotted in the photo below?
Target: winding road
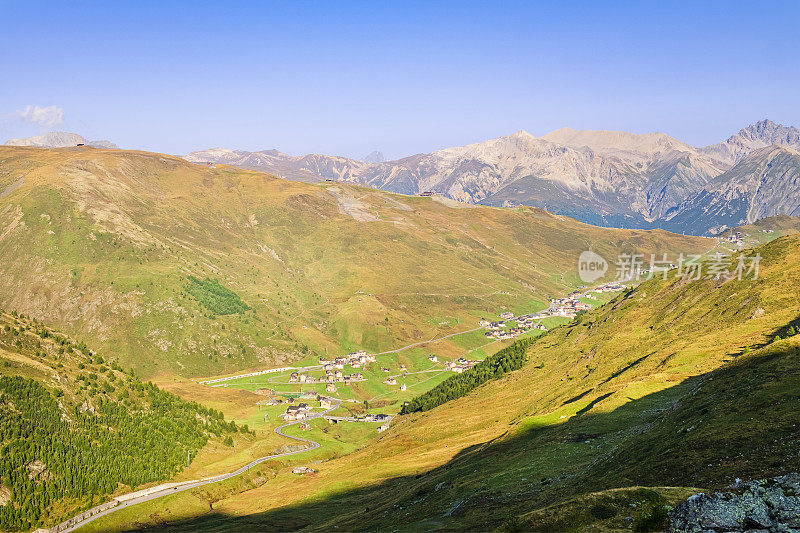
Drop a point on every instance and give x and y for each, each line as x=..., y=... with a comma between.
x=67, y=525
x=420, y=343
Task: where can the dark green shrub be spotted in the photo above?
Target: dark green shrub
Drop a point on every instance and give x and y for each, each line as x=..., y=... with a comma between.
x=602, y=512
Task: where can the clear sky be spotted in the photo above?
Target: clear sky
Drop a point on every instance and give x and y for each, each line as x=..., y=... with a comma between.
x=401, y=77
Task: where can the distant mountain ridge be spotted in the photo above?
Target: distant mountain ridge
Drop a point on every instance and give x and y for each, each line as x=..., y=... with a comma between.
x=759, y=135
x=59, y=139
x=763, y=184
x=607, y=178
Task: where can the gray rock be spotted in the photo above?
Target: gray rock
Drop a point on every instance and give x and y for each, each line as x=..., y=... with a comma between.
x=768, y=505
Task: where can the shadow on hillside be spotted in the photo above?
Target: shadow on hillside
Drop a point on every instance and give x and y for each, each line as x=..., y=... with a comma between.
x=789, y=330
x=742, y=420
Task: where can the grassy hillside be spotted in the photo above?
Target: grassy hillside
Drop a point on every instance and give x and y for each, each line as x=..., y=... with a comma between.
x=75, y=427
x=674, y=386
x=181, y=269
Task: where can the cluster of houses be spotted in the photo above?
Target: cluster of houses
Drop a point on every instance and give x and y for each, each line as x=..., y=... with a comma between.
x=496, y=329
x=333, y=370
x=354, y=359
x=331, y=376
x=460, y=365
x=379, y=418
x=296, y=412
x=524, y=323
x=734, y=238
x=302, y=411
x=567, y=307
x=611, y=286
x=572, y=305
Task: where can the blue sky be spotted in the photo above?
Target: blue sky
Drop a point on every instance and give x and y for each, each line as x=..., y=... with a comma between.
x=401, y=77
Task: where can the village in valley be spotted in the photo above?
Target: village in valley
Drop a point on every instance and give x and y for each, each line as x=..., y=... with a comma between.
x=345, y=400
x=509, y=326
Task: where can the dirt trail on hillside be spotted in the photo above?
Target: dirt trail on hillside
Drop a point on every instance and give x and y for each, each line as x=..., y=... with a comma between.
x=351, y=206
x=24, y=360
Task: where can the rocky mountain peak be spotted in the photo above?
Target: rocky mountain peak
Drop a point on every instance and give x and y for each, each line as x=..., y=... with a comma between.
x=769, y=132
x=753, y=137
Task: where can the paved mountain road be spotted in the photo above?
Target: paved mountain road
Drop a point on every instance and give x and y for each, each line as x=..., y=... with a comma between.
x=312, y=445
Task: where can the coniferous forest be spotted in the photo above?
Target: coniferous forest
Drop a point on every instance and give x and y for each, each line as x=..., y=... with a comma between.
x=493, y=367
x=214, y=297
x=99, y=431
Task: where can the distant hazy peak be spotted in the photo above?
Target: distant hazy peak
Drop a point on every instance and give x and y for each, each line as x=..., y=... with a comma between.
x=107, y=145
x=272, y=152
x=374, y=157
x=607, y=140
x=522, y=134
x=59, y=139
x=561, y=134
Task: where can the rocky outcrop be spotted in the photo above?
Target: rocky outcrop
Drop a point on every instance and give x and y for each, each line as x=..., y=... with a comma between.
x=767, y=505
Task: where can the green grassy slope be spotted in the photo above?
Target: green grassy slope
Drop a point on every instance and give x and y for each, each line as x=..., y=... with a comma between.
x=675, y=384
x=106, y=245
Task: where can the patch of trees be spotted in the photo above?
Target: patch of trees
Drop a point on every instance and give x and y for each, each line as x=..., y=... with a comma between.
x=789, y=330
x=214, y=297
x=51, y=450
x=493, y=367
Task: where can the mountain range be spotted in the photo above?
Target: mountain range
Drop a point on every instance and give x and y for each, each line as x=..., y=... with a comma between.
x=605, y=178
x=59, y=139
